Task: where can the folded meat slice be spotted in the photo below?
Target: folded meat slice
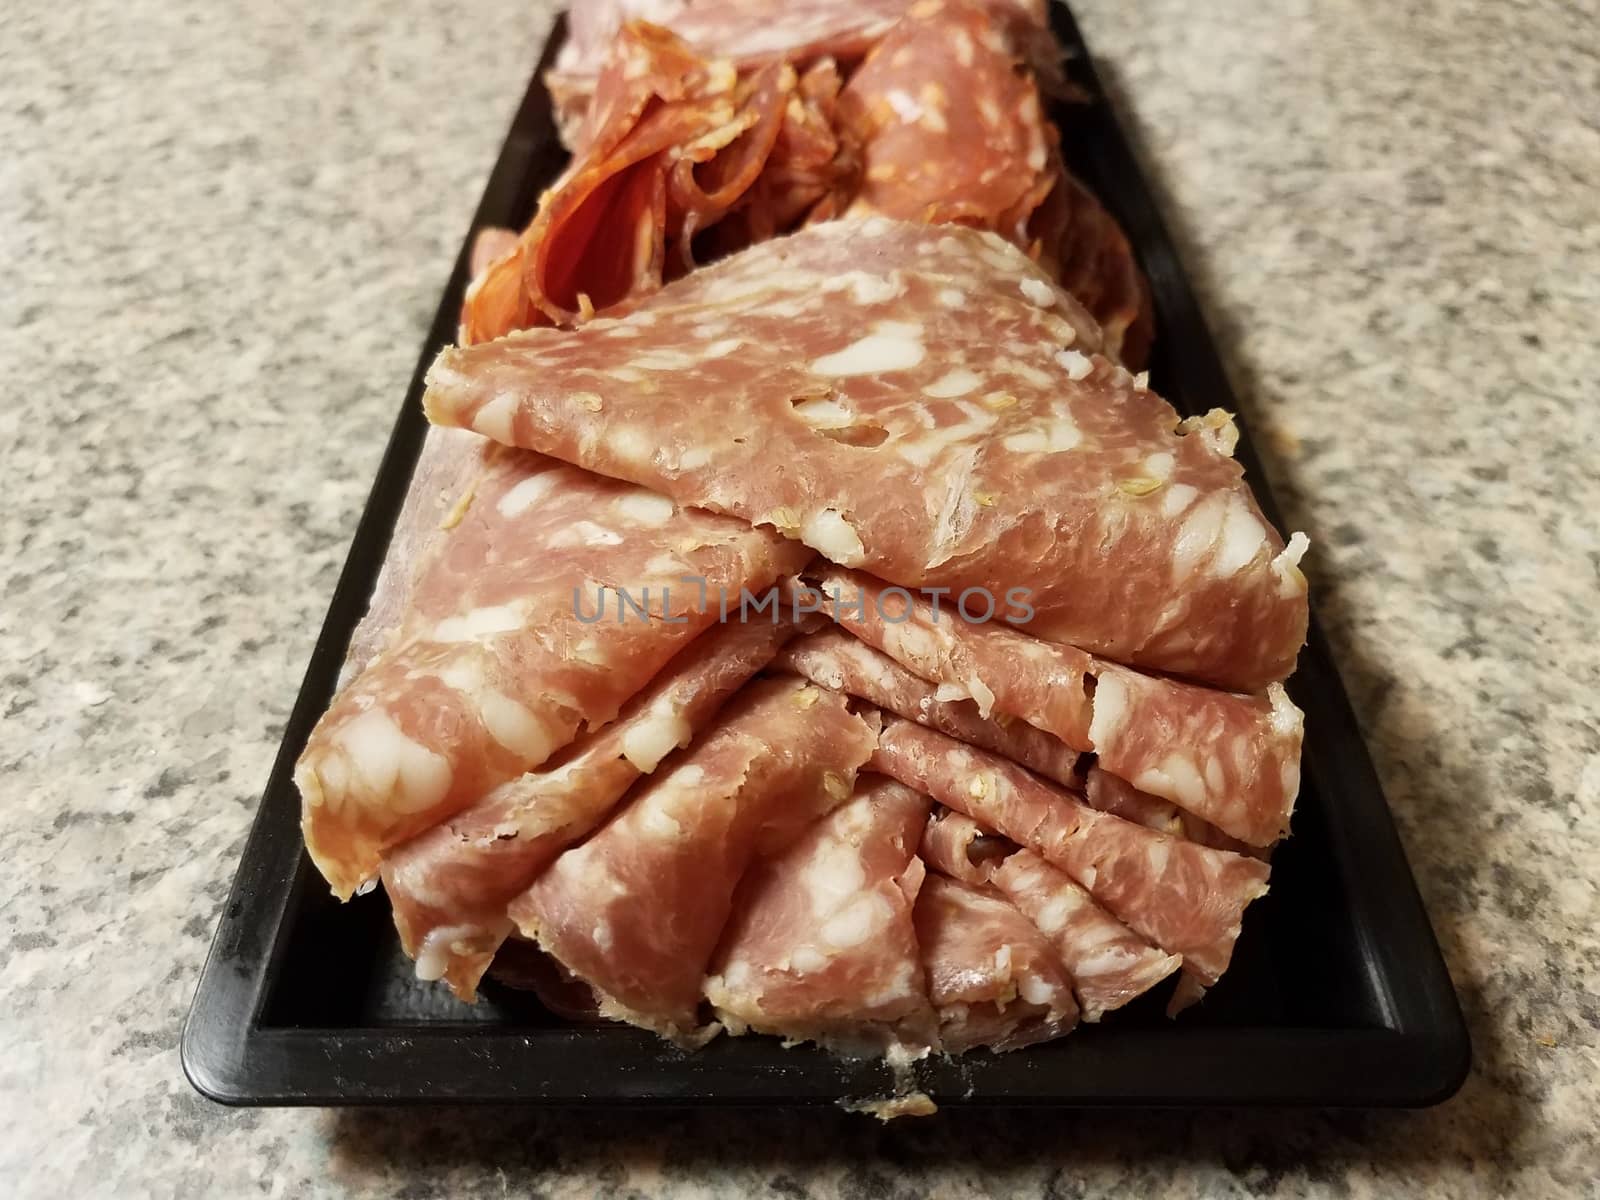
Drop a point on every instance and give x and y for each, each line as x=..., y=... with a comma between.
x=820, y=946
x=600, y=234
x=935, y=428
x=448, y=463
x=950, y=128
x=554, y=598
x=1231, y=760
x=637, y=910
x=954, y=844
x=1109, y=794
x=840, y=661
x=450, y=885
x=1184, y=898
x=1108, y=962
x=746, y=31
x=992, y=977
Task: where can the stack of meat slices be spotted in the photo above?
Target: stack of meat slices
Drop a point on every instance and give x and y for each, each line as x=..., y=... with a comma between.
x=836, y=642
x=728, y=124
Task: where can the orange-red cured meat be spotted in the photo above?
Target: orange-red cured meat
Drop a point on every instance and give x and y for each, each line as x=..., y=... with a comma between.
x=837, y=660
x=601, y=231
x=991, y=976
x=746, y=31
x=1185, y=898
x=820, y=945
x=950, y=128
x=449, y=886
x=636, y=911
x=912, y=382
x=1231, y=760
x=510, y=647
x=1108, y=962
x=700, y=188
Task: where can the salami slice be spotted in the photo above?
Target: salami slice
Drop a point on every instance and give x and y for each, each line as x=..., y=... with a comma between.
x=1104, y=791
x=450, y=886
x=1185, y=898
x=1230, y=760
x=954, y=844
x=1109, y=963
x=820, y=946
x=950, y=128
x=746, y=31
x=913, y=383
x=449, y=462
x=601, y=232
x=636, y=911
x=837, y=660
x=515, y=638
x=991, y=976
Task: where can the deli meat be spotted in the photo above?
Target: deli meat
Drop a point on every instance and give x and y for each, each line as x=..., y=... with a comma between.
x=1120, y=798
x=1184, y=898
x=447, y=465
x=680, y=155
x=1108, y=962
x=820, y=945
x=637, y=910
x=600, y=233
x=954, y=844
x=951, y=129
x=450, y=885
x=515, y=639
x=1230, y=760
x=744, y=31
x=927, y=392
x=992, y=977
x=838, y=660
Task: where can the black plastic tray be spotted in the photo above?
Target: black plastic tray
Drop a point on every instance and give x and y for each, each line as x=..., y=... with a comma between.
x=1337, y=996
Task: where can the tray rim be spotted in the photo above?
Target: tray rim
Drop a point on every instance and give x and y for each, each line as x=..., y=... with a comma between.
x=229, y=1056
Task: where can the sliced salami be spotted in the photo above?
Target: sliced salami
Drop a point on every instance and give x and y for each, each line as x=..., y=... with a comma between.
x=820, y=945
x=1229, y=760
x=1108, y=962
x=449, y=887
x=515, y=638
x=838, y=660
x=1104, y=791
x=637, y=910
x=447, y=466
x=954, y=844
x=601, y=232
x=937, y=424
x=992, y=977
x=1185, y=898
x=950, y=128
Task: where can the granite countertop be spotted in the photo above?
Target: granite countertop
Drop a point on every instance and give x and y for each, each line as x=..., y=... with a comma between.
x=225, y=229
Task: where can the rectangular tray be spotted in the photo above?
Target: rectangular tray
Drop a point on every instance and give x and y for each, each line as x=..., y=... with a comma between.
x=1338, y=995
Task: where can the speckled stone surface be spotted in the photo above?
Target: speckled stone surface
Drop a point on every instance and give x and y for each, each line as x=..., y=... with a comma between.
x=224, y=228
